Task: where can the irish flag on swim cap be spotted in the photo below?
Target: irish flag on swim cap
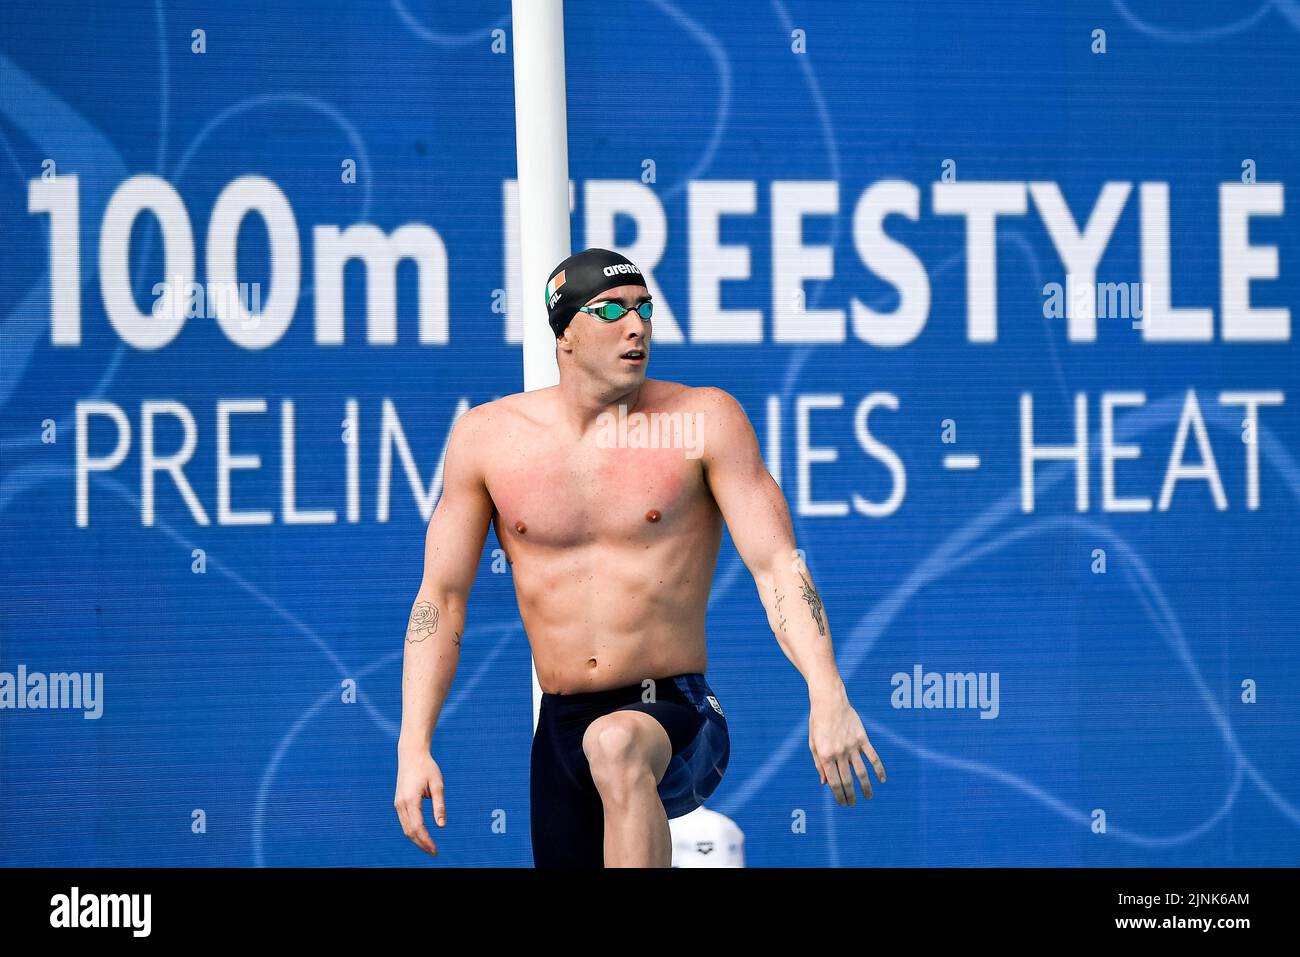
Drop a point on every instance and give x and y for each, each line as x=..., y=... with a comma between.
x=551, y=287
x=594, y=271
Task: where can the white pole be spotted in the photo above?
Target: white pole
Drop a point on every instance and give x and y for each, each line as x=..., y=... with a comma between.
x=542, y=154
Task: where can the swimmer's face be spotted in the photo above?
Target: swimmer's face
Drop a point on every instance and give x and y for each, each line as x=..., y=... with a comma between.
x=609, y=350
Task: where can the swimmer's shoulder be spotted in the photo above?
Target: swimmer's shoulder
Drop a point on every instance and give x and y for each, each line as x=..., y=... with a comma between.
x=485, y=434
x=509, y=411
x=676, y=396
x=537, y=408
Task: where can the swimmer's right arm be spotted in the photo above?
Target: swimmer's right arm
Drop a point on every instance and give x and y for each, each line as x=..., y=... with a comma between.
x=452, y=546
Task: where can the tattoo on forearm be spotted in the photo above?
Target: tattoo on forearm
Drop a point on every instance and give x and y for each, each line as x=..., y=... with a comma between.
x=456, y=641
x=779, y=614
x=814, y=601
x=424, y=622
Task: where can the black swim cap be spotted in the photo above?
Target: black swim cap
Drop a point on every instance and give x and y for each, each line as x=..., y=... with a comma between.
x=583, y=275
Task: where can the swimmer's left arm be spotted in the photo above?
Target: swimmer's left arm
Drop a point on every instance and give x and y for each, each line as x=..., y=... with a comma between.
x=758, y=518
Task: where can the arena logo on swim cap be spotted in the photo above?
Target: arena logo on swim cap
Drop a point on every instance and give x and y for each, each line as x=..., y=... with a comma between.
x=553, y=289
x=621, y=268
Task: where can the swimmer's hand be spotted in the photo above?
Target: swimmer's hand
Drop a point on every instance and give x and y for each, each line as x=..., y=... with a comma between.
x=419, y=777
x=837, y=741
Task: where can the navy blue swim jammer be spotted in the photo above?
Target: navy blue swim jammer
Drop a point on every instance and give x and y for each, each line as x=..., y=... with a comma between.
x=567, y=816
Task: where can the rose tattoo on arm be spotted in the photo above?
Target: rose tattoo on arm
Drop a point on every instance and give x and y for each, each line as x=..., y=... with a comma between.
x=424, y=622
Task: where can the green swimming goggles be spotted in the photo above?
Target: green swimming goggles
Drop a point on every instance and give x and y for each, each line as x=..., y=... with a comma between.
x=613, y=311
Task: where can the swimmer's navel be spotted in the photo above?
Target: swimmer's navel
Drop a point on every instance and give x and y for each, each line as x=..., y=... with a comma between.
x=591, y=662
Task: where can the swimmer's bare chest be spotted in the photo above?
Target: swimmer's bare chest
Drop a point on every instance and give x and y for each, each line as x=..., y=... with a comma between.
x=612, y=551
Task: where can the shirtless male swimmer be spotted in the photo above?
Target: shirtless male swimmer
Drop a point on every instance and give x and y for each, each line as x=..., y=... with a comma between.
x=613, y=547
